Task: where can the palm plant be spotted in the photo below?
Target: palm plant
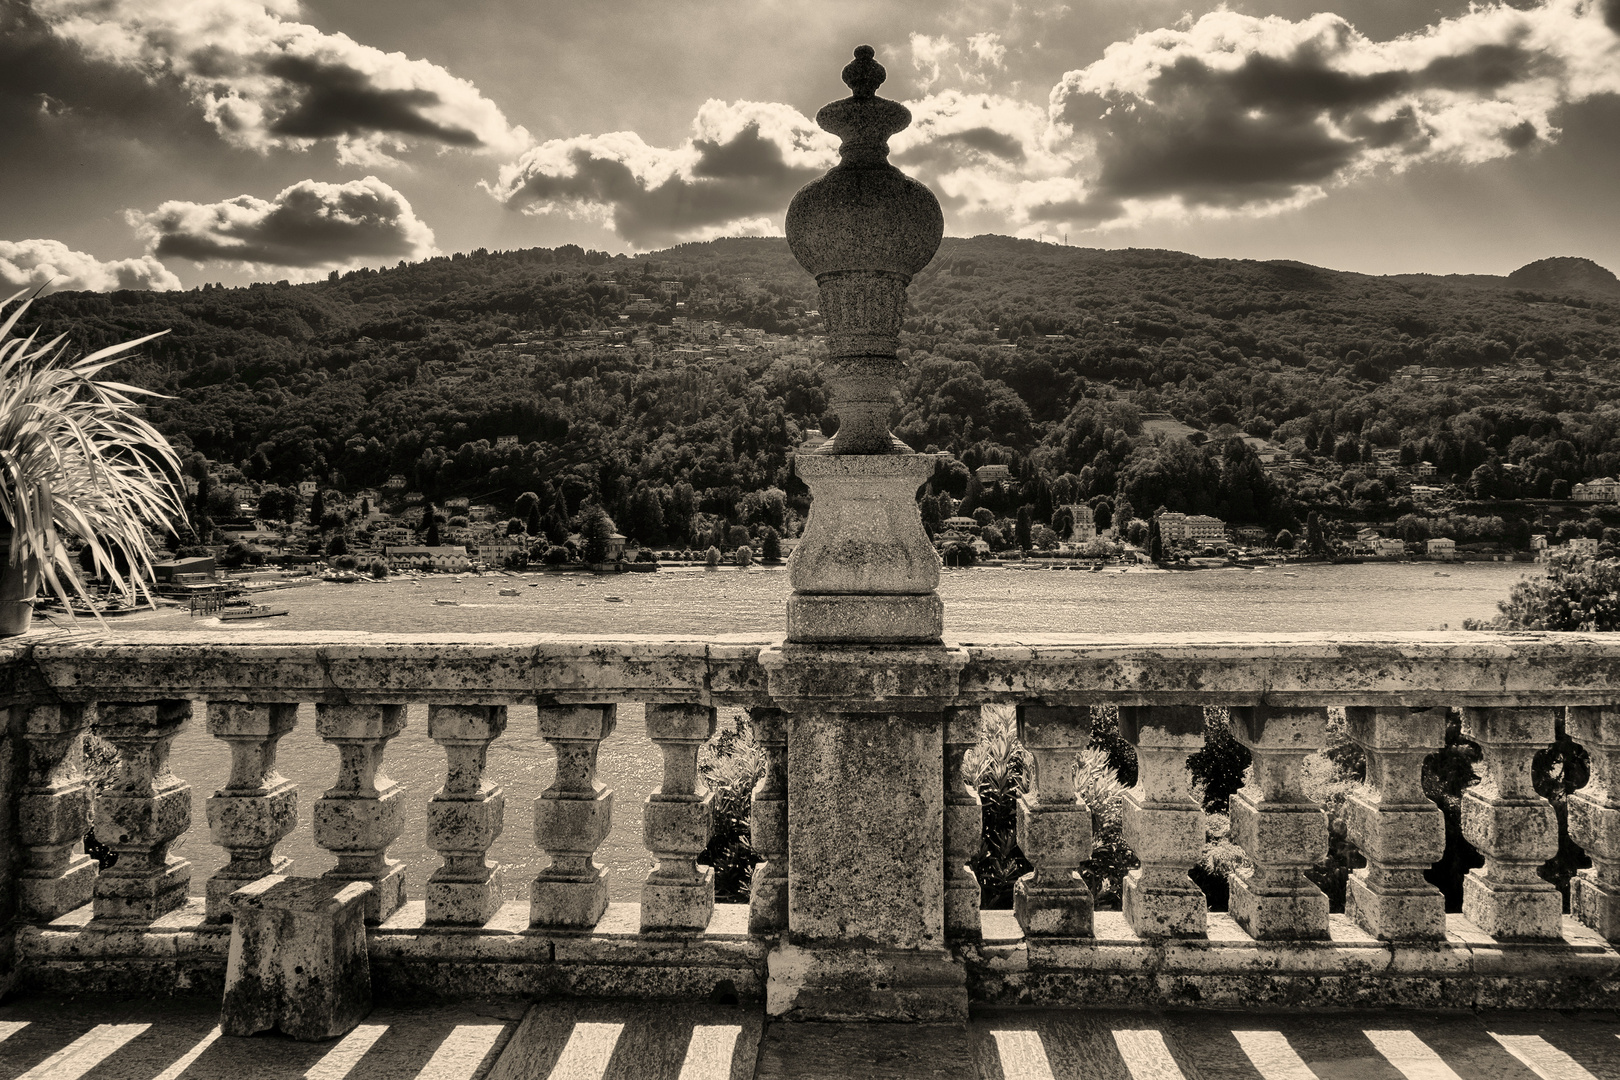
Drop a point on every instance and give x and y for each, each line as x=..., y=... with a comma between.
x=77, y=462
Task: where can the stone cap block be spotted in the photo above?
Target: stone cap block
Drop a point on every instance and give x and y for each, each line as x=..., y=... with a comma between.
x=1598, y=725
x=243, y=719
x=1269, y=727
x=585, y=723
x=1054, y=726
x=680, y=723
x=899, y=677
x=1510, y=726
x=155, y=719
x=49, y=719
x=1398, y=728
x=359, y=721
x=1162, y=726
x=278, y=892
x=962, y=724
x=466, y=723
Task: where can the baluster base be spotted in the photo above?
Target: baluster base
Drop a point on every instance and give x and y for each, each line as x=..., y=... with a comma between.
x=1417, y=914
x=217, y=889
x=143, y=898
x=1595, y=906
x=768, y=906
x=1513, y=912
x=962, y=896
x=1043, y=911
x=1298, y=914
x=387, y=893
x=844, y=983
x=1156, y=911
x=463, y=901
x=68, y=889
x=686, y=906
x=568, y=905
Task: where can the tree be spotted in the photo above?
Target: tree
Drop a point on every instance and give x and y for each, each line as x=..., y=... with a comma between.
x=277, y=504
x=1579, y=592
x=338, y=545
x=744, y=555
x=531, y=523
x=527, y=504
x=1063, y=522
x=317, y=509
x=770, y=547
x=737, y=537
x=1155, y=540
x=1315, y=538
x=928, y=507
x=514, y=527
x=431, y=536
x=1023, y=531
x=378, y=569
x=1285, y=541
x=595, y=531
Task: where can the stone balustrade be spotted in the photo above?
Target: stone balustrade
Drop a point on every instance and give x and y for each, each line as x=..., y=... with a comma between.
x=1277, y=943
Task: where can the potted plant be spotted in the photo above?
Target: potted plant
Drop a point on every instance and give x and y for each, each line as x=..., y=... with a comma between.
x=77, y=462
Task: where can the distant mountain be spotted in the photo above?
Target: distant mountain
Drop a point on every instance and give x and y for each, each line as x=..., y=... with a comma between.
x=1564, y=273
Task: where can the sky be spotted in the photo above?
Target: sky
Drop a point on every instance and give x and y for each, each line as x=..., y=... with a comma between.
x=167, y=143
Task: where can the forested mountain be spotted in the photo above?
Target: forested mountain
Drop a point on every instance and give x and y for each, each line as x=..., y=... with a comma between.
x=1042, y=357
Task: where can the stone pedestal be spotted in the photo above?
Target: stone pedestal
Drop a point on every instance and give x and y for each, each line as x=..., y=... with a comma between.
x=144, y=810
x=360, y=815
x=1515, y=829
x=1281, y=830
x=1399, y=831
x=53, y=811
x=258, y=806
x=1162, y=822
x=676, y=822
x=298, y=960
x=465, y=816
x=1594, y=819
x=571, y=819
x=1054, y=824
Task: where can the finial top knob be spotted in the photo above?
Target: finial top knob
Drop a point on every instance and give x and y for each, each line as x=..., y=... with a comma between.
x=863, y=74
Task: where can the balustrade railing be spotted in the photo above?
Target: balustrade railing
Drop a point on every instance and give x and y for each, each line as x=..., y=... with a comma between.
x=1276, y=696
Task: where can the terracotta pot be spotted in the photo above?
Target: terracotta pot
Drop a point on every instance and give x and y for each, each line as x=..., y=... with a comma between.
x=17, y=584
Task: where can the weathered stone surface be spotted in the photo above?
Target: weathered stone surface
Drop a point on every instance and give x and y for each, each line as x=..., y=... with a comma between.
x=144, y=810
x=678, y=894
x=1054, y=824
x=1594, y=819
x=827, y=982
x=465, y=815
x=571, y=819
x=964, y=826
x=53, y=810
x=364, y=811
x=298, y=960
x=258, y=806
x=1278, y=827
x=1162, y=822
x=1514, y=828
x=768, y=825
x=1399, y=831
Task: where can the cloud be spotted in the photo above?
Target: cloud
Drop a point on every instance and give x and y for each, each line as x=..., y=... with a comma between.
x=265, y=81
x=988, y=50
x=310, y=226
x=737, y=171
x=1238, y=114
x=51, y=263
x=928, y=56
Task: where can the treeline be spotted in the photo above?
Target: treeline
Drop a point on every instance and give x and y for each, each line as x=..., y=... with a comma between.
x=1043, y=358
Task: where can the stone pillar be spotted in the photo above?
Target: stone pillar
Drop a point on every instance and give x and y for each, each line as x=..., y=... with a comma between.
x=677, y=821
x=964, y=827
x=1054, y=824
x=1278, y=827
x=1594, y=819
x=1399, y=831
x=465, y=816
x=258, y=806
x=571, y=819
x=1162, y=822
x=359, y=816
x=146, y=809
x=1515, y=829
x=768, y=826
x=53, y=811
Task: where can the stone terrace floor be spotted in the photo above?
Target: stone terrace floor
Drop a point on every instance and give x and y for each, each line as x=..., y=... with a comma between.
x=103, y=1038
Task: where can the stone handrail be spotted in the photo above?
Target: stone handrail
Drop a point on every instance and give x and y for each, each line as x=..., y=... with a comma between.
x=137, y=691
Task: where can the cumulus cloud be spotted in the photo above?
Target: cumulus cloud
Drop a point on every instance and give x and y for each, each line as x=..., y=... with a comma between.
x=929, y=55
x=265, y=80
x=735, y=173
x=988, y=50
x=310, y=226
x=57, y=267
x=1238, y=114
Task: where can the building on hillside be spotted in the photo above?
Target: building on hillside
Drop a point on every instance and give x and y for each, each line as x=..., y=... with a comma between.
x=992, y=474
x=1192, y=529
x=481, y=512
x=962, y=523
x=307, y=489
x=395, y=483
x=413, y=498
x=200, y=568
x=1085, y=524
x=1604, y=490
x=451, y=558
x=505, y=440
x=1425, y=468
x=1441, y=548
x=1388, y=545
x=1582, y=545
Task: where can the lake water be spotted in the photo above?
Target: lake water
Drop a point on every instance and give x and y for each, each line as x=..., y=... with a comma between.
x=978, y=602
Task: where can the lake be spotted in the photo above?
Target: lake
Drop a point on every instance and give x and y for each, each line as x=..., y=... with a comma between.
x=978, y=602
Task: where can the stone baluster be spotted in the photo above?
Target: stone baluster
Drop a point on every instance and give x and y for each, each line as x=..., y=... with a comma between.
x=768, y=827
x=1594, y=819
x=677, y=821
x=144, y=810
x=465, y=816
x=1162, y=822
x=571, y=819
x=1515, y=829
x=359, y=816
x=53, y=811
x=257, y=807
x=964, y=827
x=1281, y=830
x=1054, y=824
x=1399, y=831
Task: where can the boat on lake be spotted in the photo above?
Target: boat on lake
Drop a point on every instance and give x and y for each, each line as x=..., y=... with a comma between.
x=240, y=612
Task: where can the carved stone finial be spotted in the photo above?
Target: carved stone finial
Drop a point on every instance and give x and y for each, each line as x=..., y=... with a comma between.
x=864, y=74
